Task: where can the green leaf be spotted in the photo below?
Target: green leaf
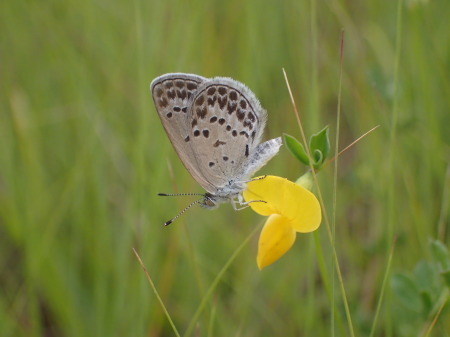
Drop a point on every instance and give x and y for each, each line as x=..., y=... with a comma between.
x=427, y=281
x=440, y=254
x=317, y=159
x=427, y=277
x=320, y=143
x=427, y=301
x=446, y=276
x=296, y=148
x=407, y=292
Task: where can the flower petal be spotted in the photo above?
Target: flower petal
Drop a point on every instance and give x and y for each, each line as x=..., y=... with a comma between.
x=277, y=237
x=298, y=205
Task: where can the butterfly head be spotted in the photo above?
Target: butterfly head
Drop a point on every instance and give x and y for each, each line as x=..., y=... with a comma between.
x=211, y=201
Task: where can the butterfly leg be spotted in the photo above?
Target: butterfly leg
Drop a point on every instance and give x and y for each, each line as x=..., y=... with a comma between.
x=255, y=179
x=240, y=204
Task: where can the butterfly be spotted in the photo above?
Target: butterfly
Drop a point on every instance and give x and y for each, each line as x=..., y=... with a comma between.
x=215, y=126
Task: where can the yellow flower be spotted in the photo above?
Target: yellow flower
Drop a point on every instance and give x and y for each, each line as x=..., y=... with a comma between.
x=291, y=208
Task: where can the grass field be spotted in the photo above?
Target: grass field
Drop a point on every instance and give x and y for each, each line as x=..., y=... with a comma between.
x=83, y=156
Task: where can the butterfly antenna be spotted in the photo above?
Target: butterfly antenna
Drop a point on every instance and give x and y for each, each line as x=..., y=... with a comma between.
x=167, y=223
x=178, y=194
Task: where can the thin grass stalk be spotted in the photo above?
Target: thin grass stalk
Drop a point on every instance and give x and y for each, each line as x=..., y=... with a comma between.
x=443, y=215
x=155, y=291
x=216, y=281
x=392, y=147
x=394, y=121
x=314, y=113
x=443, y=299
x=335, y=175
x=383, y=290
x=327, y=222
x=212, y=319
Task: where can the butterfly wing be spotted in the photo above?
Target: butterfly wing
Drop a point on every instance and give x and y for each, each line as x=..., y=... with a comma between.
x=172, y=95
x=215, y=126
x=227, y=122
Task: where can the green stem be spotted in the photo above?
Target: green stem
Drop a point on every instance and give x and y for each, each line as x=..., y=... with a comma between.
x=155, y=291
x=216, y=281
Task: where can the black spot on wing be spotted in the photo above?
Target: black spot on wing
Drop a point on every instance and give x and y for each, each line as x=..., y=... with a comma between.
x=202, y=112
x=222, y=101
x=233, y=95
x=200, y=99
x=240, y=114
x=243, y=133
x=181, y=94
x=211, y=91
x=191, y=85
x=212, y=100
x=222, y=91
x=218, y=143
x=171, y=94
x=163, y=102
x=231, y=107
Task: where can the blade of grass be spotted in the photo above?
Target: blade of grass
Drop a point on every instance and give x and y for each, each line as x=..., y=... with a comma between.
x=391, y=200
x=393, y=131
x=327, y=222
x=351, y=144
x=314, y=66
x=383, y=288
x=444, y=208
x=444, y=299
x=212, y=320
x=155, y=291
x=216, y=281
x=335, y=174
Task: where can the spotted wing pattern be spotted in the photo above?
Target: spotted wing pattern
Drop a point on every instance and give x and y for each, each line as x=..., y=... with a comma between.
x=215, y=126
x=172, y=95
x=226, y=123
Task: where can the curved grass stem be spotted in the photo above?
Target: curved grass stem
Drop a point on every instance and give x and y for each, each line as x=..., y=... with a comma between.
x=216, y=281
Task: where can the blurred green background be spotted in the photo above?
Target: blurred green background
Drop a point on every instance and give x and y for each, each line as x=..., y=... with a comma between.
x=83, y=155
